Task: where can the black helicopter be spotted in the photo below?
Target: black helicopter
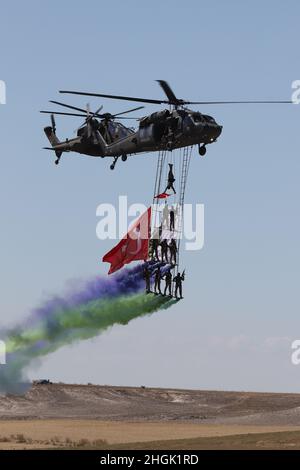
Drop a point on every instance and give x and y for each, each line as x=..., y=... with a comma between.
x=102, y=136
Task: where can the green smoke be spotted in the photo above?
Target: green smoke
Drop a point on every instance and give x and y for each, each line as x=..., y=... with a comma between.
x=66, y=325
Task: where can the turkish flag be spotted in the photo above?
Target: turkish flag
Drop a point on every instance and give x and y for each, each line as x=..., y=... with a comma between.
x=133, y=246
x=162, y=196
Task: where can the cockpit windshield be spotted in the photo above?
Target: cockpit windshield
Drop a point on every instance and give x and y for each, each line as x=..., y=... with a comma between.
x=118, y=131
x=208, y=118
x=197, y=117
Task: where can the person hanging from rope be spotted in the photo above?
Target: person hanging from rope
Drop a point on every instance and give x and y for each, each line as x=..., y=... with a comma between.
x=157, y=281
x=164, y=250
x=173, y=251
x=168, y=281
x=171, y=179
x=178, y=279
x=147, y=277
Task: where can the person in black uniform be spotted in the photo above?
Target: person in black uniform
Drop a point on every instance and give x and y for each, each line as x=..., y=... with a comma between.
x=178, y=285
x=173, y=251
x=168, y=281
x=172, y=220
x=171, y=179
x=154, y=243
x=164, y=250
x=147, y=277
x=157, y=281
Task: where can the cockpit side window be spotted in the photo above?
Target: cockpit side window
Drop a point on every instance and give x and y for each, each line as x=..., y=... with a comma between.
x=208, y=118
x=118, y=131
x=197, y=117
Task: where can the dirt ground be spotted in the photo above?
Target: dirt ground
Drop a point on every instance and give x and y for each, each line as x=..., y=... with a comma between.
x=70, y=433
x=16, y=434
x=103, y=417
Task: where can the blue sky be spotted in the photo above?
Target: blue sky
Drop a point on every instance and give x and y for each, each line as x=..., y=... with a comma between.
x=241, y=307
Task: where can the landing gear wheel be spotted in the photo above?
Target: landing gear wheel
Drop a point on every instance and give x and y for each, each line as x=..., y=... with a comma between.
x=56, y=161
x=169, y=146
x=112, y=166
x=124, y=158
x=202, y=150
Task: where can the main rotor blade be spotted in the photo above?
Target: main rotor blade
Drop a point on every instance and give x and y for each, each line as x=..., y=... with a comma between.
x=172, y=98
x=241, y=102
x=79, y=109
x=168, y=91
x=115, y=97
x=126, y=117
x=63, y=114
x=100, y=116
x=99, y=109
x=129, y=111
x=68, y=106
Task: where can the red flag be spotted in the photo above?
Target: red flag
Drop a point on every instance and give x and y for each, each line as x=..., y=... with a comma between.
x=133, y=246
x=162, y=196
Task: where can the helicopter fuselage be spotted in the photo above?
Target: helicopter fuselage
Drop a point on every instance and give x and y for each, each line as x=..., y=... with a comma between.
x=163, y=130
x=168, y=129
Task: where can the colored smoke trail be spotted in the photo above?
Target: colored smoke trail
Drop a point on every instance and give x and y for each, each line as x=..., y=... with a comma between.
x=86, y=313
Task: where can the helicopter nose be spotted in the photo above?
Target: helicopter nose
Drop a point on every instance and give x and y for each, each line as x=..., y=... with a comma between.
x=215, y=132
x=219, y=130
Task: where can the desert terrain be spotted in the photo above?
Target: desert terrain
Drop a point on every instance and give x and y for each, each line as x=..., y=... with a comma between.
x=107, y=417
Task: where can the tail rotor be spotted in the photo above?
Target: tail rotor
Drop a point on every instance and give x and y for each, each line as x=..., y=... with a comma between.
x=53, y=124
